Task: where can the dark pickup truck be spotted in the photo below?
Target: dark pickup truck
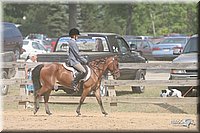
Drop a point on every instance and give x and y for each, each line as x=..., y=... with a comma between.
x=7, y=72
x=88, y=46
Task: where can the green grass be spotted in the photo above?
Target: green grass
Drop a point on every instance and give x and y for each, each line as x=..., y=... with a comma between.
x=150, y=91
x=121, y=107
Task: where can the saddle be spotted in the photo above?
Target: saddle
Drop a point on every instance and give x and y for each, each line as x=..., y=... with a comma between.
x=74, y=71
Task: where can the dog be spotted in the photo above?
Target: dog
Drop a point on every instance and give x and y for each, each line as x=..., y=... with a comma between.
x=171, y=93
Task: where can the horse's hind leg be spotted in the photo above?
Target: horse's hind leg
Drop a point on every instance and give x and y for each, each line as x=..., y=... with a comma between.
x=98, y=97
x=46, y=99
x=37, y=95
x=36, y=103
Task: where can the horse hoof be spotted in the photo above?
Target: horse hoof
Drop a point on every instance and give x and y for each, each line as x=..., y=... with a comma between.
x=78, y=114
x=34, y=112
x=105, y=114
x=49, y=113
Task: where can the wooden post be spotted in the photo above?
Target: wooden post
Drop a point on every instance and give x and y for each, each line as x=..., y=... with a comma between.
x=22, y=89
x=112, y=95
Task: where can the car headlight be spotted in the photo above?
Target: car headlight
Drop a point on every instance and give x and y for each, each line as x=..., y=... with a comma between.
x=177, y=71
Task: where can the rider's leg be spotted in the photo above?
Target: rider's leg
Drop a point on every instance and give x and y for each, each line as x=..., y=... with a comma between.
x=79, y=76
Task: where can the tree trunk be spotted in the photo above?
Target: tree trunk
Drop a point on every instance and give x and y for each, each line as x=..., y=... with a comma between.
x=129, y=20
x=72, y=16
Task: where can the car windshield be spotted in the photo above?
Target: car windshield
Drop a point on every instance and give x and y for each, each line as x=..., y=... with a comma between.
x=85, y=43
x=174, y=40
x=191, y=46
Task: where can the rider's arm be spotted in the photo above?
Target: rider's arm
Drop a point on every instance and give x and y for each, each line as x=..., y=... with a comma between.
x=74, y=49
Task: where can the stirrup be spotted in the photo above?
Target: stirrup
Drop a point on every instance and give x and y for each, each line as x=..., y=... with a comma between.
x=75, y=87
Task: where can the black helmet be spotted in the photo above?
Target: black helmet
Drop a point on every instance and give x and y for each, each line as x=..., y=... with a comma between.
x=74, y=31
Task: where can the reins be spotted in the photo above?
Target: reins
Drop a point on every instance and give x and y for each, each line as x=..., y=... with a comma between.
x=95, y=65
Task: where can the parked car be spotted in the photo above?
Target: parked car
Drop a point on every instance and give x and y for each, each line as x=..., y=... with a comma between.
x=189, y=55
x=32, y=46
x=53, y=43
x=141, y=45
x=175, y=35
x=12, y=39
x=166, y=48
x=7, y=72
x=37, y=36
x=157, y=40
x=45, y=43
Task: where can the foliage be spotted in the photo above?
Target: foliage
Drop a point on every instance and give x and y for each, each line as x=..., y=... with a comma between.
x=132, y=18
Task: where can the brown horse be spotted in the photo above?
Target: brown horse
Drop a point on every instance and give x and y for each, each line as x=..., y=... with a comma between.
x=44, y=78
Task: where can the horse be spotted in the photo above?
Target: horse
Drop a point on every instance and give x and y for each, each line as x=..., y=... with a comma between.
x=45, y=76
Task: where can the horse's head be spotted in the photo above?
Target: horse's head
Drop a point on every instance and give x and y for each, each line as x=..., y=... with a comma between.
x=113, y=66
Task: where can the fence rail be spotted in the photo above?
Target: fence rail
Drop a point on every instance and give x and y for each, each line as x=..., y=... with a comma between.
x=155, y=66
x=120, y=82
x=111, y=83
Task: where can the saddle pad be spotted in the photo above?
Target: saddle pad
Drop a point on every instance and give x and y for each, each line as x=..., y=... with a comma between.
x=69, y=68
x=74, y=71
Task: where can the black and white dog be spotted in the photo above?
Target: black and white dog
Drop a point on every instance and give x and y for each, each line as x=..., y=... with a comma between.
x=171, y=93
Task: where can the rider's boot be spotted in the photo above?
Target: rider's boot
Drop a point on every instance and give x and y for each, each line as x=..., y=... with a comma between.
x=75, y=82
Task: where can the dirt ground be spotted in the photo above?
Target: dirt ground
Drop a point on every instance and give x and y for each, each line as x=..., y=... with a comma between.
x=24, y=120
x=143, y=118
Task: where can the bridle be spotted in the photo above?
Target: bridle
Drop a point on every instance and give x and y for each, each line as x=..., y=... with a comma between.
x=115, y=71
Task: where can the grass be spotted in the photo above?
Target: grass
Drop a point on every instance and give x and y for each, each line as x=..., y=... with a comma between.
x=121, y=107
x=150, y=91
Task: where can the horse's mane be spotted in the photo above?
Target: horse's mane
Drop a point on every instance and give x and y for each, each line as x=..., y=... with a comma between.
x=96, y=62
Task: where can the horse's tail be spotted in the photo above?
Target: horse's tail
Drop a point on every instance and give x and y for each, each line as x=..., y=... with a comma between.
x=36, y=77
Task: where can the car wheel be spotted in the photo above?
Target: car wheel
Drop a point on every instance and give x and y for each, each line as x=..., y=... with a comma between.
x=104, y=89
x=17, y=53
x=139, y=76
x=4, y=88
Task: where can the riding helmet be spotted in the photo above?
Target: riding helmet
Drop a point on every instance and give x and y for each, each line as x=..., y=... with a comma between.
x=74, y=31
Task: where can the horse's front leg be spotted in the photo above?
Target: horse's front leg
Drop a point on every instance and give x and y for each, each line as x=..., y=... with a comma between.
x=83, y=96
x=98, y=97
x=46, y=99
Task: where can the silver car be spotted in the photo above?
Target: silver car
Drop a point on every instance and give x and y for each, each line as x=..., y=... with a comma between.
x=189, y=55
x=165, y=49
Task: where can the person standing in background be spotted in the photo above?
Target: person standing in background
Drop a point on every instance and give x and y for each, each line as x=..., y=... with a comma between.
x=28, y=74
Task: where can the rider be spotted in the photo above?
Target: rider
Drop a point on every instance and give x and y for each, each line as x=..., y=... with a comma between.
x=75, y=59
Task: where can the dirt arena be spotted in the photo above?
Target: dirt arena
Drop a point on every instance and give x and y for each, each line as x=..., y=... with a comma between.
x=24, y=120
x=124, y=117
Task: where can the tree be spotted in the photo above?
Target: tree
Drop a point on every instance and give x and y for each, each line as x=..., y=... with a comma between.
x=57, y=20
x=72, y=16
x=132, y=18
